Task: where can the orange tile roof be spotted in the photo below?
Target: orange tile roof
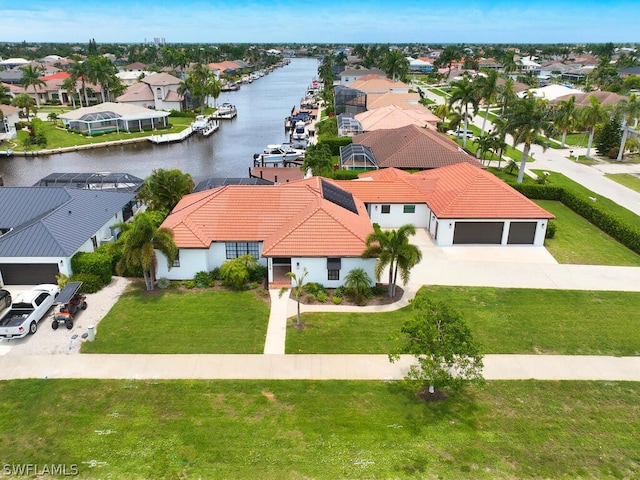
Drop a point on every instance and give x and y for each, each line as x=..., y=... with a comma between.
x=393, y=116
x=291, y=219
x=456, y=191
x=413, y=147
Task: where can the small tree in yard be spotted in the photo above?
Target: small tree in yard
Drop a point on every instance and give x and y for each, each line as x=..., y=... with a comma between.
x=297, y=289
x=237, y=272
x=358, y=283
x=447, y=356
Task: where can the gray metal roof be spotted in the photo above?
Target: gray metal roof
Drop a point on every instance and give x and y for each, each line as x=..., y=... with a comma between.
x=54, y=221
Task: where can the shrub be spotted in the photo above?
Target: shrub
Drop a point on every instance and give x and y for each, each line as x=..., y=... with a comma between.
x=334, y=143
x=202, y=279
x=189, y=284
x=339, y=292
x=98, y=264
x=551, y=229
x=90, y=283
x=215, y=273
x=258, y=273
x=314, y=288
x=322, y=297
x=236, y=272
x=336, y=300
x=310, y=298
x=164, y=282
x=342, y=174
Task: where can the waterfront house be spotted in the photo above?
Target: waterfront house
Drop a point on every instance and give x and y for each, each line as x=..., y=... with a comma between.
x=158, y=91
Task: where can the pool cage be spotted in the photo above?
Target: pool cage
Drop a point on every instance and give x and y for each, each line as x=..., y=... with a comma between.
x=348, y=126
x=118, y=182
x=357, y=157
x=349, y=100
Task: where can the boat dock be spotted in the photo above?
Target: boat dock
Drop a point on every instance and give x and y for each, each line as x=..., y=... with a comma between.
x=171, y=137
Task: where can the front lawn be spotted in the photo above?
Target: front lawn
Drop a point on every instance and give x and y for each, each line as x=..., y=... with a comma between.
x=330, y=430
x=577, y=241
x=503, y=320
x=183, y=321
x=626, y=179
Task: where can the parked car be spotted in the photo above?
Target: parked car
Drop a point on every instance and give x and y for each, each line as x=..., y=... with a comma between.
x=5, y=298
x=27, y=309
x=461, y=133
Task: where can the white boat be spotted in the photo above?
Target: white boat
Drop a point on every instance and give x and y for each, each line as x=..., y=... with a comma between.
x=279, y=153
x=299, y=131
x=226, y=110
x=200, y=122
x=211, y=127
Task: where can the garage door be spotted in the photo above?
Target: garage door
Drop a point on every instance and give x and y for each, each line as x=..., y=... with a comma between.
x=522, y=233
x=28, y=273
x=478, y=232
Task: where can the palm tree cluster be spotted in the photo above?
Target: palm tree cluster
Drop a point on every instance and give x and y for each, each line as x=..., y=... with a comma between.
x=200, y=84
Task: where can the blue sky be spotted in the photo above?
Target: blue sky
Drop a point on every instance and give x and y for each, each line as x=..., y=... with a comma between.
x=323, y=21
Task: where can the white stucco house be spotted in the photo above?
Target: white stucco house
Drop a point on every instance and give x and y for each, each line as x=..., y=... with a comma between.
x=158, y=91
x=307, y=224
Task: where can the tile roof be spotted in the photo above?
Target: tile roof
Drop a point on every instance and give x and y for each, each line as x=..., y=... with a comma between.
x=292, y=219
x=160, y=79
x=413, y=147
x=392, y=116
x=374, y=83
x=54, y=221
x=405, y=100
x=138, y=92
x=458, y=191
x=582, y=99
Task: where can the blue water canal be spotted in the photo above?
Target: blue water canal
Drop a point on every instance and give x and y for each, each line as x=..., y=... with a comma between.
x=262, y=107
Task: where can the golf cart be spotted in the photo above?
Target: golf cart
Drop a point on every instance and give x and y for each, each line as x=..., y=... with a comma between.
x=70, y=302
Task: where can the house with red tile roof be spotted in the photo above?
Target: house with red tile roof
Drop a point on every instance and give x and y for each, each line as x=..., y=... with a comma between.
x=392, y=117
x=407, y=147
x=458, y=204
x=308, y=224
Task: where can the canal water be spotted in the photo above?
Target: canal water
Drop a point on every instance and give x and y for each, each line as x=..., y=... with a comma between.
x=262, y=108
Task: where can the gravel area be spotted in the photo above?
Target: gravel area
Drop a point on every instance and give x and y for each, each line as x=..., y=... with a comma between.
x=47, y=341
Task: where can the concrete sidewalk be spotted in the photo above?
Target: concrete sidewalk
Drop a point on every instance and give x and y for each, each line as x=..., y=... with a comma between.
x=306, y=367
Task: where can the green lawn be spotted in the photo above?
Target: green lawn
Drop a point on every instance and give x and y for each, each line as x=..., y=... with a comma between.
x=189, y=321
x=503, y=320
x=609, y=205
x=578, y=241
x=626, y=179
x=321, y=430
x=58, y=137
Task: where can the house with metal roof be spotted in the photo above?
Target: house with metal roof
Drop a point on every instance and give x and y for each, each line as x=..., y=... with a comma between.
x=308, y=224
x=42, y=228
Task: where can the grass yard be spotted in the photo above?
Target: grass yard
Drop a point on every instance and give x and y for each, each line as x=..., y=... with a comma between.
x=577, y=241
x=503, y=320
x=563, y=181
x=58, y=137
x=321, y=430
x=626, y=179
x=183, y=321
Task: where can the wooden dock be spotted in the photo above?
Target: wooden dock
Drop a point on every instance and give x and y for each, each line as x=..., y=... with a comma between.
x=171, y=137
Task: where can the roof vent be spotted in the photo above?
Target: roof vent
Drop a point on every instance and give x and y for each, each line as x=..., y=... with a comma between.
x=69, y=212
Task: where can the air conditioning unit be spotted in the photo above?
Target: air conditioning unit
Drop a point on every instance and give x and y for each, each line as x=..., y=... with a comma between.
x=107, y=240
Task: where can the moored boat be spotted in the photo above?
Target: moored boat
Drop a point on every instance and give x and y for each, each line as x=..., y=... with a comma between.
x=278, y=153
x=226, y=110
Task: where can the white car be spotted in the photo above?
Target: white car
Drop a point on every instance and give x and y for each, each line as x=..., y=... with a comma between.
x=27, y=309
x=461, y=133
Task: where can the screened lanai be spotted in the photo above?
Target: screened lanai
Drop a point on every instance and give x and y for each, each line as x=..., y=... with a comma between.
x=109, y=117
x=356, y=156
x=349, y=100
x=348, y=125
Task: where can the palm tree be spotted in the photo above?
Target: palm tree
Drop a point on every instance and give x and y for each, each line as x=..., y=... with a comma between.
x=31, y=78
x=214, y=88
x=590, y=117
x=395, y=65
x=526, y=120
x=485, y=144
x=140, y=242
x=298, y=289
x=464, y=93
x=70, y=86
x=488, y=92
x=509, y=63
x=393, y=250
x=78, y=71
x=25, y=102
x=630, y=111
x=101, y=71
x=566, y=117
x=507, y=93
x=358, y=282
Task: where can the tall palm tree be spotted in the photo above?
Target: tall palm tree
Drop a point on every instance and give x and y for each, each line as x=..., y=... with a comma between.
x=31, y=78
x=526, y=121
x=630, y=111
x=101, y=71
x=565, y=117
x=590, y=117
x=70, y=86
x=464, y=93
x=393, y=250
x=509, y=63
x=507, y=93
x=488, y=92
x=395, y=65
x=78, y=71
x=140, y=241
x=25, y=102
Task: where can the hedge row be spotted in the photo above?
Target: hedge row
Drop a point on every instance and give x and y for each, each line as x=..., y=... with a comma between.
x=626, y=234
x=334, y=143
